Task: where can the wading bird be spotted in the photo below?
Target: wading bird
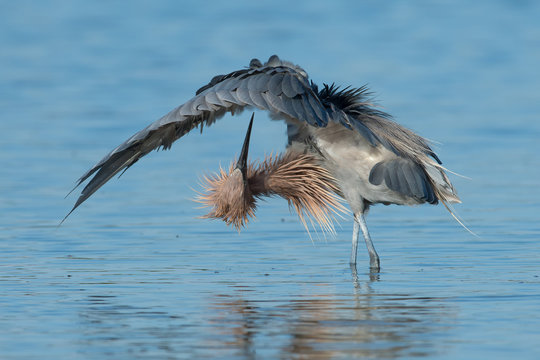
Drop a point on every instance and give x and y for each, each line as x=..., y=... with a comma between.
x=371, y=158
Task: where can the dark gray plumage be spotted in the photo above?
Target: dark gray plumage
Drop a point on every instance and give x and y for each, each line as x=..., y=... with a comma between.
x=405, y=177
x=373, y=159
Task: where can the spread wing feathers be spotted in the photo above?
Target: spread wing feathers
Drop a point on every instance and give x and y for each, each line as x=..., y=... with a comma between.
x=405, y=177
x=277, y=86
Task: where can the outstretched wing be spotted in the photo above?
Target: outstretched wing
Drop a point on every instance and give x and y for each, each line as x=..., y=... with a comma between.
x=276, y=86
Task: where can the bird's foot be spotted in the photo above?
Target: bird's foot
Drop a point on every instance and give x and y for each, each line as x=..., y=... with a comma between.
x=374, y=264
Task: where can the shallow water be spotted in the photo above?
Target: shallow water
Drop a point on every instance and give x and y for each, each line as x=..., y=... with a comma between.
x=135, y=274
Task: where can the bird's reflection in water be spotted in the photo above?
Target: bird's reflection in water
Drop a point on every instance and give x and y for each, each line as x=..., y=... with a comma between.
x=316, y=321
x=359, y=324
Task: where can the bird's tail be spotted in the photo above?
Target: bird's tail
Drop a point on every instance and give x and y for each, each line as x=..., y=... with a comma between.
x=444, y=190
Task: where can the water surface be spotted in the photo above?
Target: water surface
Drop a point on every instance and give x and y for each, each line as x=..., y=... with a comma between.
x=134, y=274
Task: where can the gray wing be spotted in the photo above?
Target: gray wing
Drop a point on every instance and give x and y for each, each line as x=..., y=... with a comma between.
x=276, y=86
x=405, y=177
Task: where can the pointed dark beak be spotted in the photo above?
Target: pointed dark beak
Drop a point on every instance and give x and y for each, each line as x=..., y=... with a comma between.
x=242, y=159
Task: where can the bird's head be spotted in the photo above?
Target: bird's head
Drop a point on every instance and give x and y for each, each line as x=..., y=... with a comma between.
x=297, y=177
x=228, y=193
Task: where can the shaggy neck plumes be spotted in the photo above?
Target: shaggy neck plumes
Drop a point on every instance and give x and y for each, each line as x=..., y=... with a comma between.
x=298, y=178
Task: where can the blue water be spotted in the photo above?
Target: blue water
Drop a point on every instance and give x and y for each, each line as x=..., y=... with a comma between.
x=135, y=274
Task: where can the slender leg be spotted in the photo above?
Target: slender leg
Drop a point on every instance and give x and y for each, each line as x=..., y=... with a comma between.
x=360, y=221
x=356, y=230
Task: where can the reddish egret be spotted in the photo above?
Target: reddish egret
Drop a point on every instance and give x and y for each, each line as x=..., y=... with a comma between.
x=297, y=177
x=371, y=158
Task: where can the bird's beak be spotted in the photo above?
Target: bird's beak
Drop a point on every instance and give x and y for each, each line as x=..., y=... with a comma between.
x=242, y=159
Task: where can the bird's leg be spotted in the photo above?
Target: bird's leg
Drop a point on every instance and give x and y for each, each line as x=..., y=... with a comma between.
x=356, y=230
x=360, y=223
